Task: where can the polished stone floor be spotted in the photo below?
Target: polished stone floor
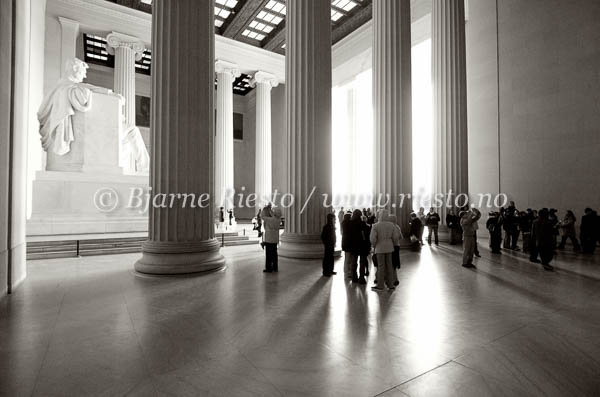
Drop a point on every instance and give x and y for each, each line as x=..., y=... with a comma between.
x=91, y=326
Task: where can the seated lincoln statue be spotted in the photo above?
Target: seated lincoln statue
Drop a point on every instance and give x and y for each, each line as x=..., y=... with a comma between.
x=69, y=95
x=72, y=95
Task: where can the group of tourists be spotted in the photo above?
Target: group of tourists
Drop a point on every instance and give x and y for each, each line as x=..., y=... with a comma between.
x=378, y=236
x=539, y=231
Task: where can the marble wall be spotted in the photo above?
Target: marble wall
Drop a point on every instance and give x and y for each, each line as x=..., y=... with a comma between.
x=541, y=144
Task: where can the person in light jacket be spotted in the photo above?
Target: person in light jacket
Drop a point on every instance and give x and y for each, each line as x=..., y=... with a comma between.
x=384, y=236
x=468, y=222
x=271, y=220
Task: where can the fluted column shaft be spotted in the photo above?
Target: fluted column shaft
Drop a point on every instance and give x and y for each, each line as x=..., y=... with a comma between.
x=224, y=182
x=450, y=99
x=181, y=236
x=308, y=101
x=392, y=100
x=263, y=82
x=126, y=50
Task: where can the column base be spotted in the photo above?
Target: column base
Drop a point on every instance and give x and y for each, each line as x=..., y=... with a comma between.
x=303, y=246
x=168, y=258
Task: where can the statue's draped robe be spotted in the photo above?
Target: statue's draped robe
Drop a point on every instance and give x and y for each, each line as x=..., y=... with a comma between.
x=134, y=143
x=55, y=113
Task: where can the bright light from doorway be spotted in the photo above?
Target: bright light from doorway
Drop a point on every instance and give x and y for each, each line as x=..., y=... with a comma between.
x=422, y=122
x=352, y=121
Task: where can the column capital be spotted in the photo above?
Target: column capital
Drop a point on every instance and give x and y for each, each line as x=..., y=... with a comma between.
x=227, y=67
x=119, y=40
x=69, y=23
x=264, y=78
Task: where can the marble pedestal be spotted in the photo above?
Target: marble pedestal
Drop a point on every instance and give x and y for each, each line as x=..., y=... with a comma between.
x=81, y=203
x=77, y=192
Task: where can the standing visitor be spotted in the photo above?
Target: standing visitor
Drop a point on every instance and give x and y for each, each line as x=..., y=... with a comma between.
x=543, y=235
x=453, y=222
x=467, y=220
x=567, y=231
x=432, y=221
x=422, y=217
x=416, y=232
x=328, y=238
x=396, y=254
x=494, y=226
x=347, y=246
x=384, y=236
x=525, y=227
x=341, y=216
x=588, y=232
x=271, y=219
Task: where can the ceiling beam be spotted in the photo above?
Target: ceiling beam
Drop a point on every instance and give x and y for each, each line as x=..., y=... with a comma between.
x=243, y=17
x=277, y=40
x=353, y=22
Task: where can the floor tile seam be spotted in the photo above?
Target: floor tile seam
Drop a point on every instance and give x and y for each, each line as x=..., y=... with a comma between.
x=43, y=362
x=496, y=379
x=413, y=378
x=241, y=353
x=137, y=339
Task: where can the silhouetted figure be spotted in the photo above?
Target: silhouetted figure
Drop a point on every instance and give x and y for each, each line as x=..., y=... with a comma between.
x=494, y=226
x=453, y=222
x=328, y=238
x=567, y=231
x=432, y=221
x=525, y=220
x=510, y=225
x=346, y=245
x=421, y=215
x=467, y=221
x=340, y=216
x=416, y=232
x=396, y=254
x=554, y=221
x=543, y=234
x=356, y=246
x=589, y=231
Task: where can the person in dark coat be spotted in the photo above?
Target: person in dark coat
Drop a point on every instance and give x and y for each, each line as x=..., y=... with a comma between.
x=416, y=232
x=510, y=224
x=432, y=221
x=349, y=259
x=453, y=223
x=553, y=218
x=543, y=233
x=567, y=231
x=468, y=220
x=588, y=231
x=525, y=220
x=494, y=226
x=328, y=238
x=355, y=231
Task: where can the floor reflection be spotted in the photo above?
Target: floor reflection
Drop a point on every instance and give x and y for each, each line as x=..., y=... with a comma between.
x=91, y=326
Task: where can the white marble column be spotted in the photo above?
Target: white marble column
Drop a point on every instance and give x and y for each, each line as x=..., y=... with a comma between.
x=127, y=50
x=224, y=182
x=392, y=104
x=308, y=102
x=263, y=82
x=68, y=48
x=450, y=99
x=181, y=237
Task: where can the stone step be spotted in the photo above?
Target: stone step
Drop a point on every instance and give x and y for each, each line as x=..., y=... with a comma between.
x=109, y=246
